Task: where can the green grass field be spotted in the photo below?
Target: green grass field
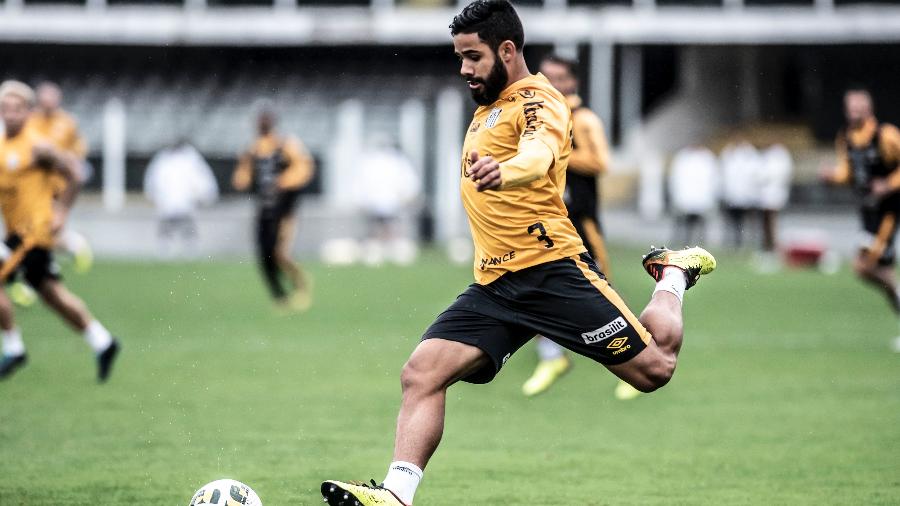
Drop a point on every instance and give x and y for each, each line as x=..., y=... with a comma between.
x=786, y=393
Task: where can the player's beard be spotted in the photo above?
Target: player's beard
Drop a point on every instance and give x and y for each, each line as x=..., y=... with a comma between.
x=492, y=85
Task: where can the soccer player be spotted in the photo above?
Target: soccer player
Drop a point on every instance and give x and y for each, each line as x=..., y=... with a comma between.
x=868, y=159
x=53, y=123
x=276, y=168
x=531, y=271
x=588, y=161
x=36, y=192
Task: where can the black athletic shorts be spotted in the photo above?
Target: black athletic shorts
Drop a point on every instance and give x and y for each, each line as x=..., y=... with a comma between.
x=37, y=266
x=567, y=300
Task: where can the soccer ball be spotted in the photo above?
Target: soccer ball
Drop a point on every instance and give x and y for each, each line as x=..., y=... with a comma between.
x=225, y=492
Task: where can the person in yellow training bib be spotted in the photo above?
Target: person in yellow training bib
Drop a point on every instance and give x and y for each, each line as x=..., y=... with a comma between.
x=532, y=272
x=36, y=192
x=588, y=161
x=55, y=124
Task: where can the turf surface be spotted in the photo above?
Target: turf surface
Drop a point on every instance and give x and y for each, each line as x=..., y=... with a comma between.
x=785, y=393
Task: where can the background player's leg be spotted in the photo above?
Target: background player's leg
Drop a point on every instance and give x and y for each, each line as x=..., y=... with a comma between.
x=267, y=238
x=13, y=346
x=74, y=311
x=433, y=367
x=284, y=241
x=881, y=277
x=552, y=364
x=301, y=298
x=66, y=304
x=589, y=231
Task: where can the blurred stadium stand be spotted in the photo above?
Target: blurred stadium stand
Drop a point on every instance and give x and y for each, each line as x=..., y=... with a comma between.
x=661, y=73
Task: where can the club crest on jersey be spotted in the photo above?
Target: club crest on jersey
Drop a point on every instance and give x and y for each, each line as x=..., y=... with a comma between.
x=493, y=117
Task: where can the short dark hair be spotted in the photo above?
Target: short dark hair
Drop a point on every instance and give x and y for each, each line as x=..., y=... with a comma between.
x=570, y=64
x=494, y=21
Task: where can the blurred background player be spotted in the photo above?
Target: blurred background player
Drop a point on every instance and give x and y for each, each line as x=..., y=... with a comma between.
x=868, y=158
x=176, y=181
x=386, y=189
x=774, y=182
x=58, y=127
x=37, y=182
x=692, y=192
x=740, y=164
x=276, y=168
x=53, y=123
x=588, y=161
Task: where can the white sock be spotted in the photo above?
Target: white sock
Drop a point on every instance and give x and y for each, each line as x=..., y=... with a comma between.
x=97, y=336
x=12, y=342
x=402, y=479
x=673, y=281
x=547, y=349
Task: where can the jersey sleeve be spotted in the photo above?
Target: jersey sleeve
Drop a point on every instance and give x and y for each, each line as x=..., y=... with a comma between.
x=544, y=125
x=243, y=173
x=300, y=166
x=590, y=156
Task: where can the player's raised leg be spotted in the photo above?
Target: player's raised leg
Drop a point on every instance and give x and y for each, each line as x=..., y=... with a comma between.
x=73, y=310
x=674, y=272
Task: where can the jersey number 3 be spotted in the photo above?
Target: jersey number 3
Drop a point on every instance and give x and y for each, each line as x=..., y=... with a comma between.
x=543, y=237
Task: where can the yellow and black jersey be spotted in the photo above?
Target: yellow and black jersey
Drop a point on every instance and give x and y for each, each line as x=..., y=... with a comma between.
x=590, y=150
x=869, y=152
x=61, y=130
x=28, y=190
x=272, y=167
x=589, y=159
x=524, y=223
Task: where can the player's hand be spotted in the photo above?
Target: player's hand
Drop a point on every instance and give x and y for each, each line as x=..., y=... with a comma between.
x=826, y=173
x=880, y=187
x=59, y=220
x=484, y=172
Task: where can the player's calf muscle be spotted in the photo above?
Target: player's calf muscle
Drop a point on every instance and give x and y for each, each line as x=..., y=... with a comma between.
x=648, y=371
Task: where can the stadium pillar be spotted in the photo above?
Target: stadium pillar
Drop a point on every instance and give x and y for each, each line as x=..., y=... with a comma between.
x=342, y=153
x=748, y=91
x=413, y=143
x=600, y=96
x=632, y=80
x=113, y=155
x=13, y=5
x=446, y=205
x=412, y=132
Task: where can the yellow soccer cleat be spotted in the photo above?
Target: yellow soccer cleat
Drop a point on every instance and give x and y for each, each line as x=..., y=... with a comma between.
x=545, y=375
x=695, y=262
x=626, y=392
x=339, y=493
x=300, y=301
x=22, y=294
x=84, y=258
